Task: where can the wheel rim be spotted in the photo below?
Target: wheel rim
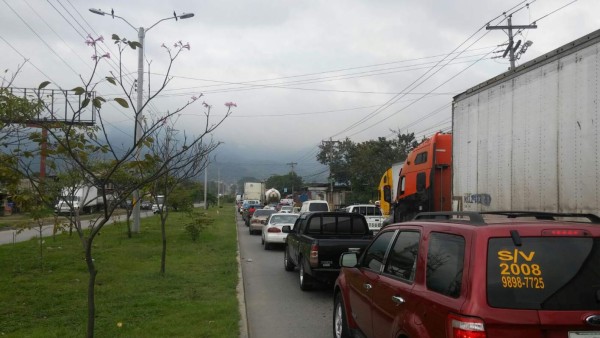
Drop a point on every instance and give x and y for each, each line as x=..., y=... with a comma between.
x=338, y=321
x=285, y=258
x=301, y=274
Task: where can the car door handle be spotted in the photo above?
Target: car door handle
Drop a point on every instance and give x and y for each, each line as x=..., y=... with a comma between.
x=367, y=286
x=398, y=300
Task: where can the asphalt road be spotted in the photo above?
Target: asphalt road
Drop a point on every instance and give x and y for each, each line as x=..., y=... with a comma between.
x=275, y=305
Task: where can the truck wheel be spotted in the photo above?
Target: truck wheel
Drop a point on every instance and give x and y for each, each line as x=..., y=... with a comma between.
x=287, y=264
x=305, y=279
x=340, y=322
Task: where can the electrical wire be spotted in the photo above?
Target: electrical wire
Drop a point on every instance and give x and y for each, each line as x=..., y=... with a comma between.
x=26, y=59
x=41, y=39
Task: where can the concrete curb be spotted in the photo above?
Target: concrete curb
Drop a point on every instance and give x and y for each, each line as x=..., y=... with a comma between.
x=240, y=288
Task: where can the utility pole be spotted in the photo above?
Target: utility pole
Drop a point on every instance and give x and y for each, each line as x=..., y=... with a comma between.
x=331, y=179
x=511, y=48
x=218, y=187
x=292, y=164
x=206, y=185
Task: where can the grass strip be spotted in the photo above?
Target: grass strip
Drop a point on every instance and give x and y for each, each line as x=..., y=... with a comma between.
x=196, y=298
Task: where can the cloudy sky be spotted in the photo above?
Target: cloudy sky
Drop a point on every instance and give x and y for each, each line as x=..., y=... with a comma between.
x=300, y=72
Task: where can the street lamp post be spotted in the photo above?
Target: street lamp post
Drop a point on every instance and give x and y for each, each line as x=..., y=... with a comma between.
x=140, y=93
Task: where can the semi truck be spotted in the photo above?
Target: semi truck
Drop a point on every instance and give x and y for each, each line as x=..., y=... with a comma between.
x=82, y=198
x=527, y=140
x=272, y=196
x=254, y=191
x=388, y=188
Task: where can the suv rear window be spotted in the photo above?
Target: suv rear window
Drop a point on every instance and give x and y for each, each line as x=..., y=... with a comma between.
x=318, y=207
x=546, y=273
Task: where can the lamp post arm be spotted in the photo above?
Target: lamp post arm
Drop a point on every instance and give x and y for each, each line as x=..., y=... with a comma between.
x=130, y=25
x=159, y=21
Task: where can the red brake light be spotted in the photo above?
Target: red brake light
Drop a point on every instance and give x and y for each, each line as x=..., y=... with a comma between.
x=273, y=230
x=565, y=232
x=465, y=327
x=314, y=255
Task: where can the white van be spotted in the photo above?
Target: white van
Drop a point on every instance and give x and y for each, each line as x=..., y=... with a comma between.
x=314, y=205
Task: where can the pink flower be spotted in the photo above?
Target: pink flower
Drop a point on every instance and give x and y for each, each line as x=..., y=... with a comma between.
x=186, y=46
x=107, y=55
x=205, y=104
x=94, y=57
x=230, y=104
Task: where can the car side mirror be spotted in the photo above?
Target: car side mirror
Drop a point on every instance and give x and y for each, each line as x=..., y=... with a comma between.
x=349, y=260
x=286, y=229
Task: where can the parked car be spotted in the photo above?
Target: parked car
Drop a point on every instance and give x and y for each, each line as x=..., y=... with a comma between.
x=271, y=232
x=317, y=240
x=146, y=205
x=157, y=208
x=259, y=219
x=451, y=274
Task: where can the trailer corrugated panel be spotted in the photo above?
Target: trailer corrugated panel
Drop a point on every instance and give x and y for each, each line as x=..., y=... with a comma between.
x=529, y=139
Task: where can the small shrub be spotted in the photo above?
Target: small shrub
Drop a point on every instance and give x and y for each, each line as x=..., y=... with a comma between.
x=198, y=223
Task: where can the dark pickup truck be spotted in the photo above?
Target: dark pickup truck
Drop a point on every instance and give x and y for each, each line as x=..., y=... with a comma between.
x=318, y=239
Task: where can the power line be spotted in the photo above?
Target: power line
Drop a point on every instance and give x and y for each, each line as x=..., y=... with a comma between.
x=26, y=59
x=39, y=37
x=393, y=100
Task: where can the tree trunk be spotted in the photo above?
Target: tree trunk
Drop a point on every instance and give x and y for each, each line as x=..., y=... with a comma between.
x=91, y=285
x=164, y=248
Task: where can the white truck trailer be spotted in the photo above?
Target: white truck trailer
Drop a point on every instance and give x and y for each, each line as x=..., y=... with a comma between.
x=254, y=191
x=529, y=139
x=83, y=198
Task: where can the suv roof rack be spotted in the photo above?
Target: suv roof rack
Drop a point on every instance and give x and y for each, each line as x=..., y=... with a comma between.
x=550, y=216
x=476, y=218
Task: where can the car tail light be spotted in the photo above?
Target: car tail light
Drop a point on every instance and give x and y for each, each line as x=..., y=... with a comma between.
x=273, y=230
x=565, y=232
x=465, y=327
x=314, y=255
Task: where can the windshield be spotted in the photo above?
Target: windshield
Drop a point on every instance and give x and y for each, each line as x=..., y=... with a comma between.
x=288, y=219
x=546, y=273
x=263, y=212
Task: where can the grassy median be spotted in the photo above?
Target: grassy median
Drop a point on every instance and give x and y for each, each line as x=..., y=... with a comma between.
x=196, y=297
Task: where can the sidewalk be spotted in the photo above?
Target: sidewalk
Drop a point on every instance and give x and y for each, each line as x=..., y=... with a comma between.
x=11, y=236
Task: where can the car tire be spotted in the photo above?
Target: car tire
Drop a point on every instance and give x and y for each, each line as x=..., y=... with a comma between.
x=262, y=240
x=340, y=322
x=267, y=246
x=305, y=279
x=287, y=264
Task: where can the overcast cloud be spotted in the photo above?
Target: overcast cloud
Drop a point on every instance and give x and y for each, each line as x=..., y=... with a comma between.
x=299, y=71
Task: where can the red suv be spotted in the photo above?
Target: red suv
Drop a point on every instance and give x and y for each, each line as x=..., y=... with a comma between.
x=462, y=274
